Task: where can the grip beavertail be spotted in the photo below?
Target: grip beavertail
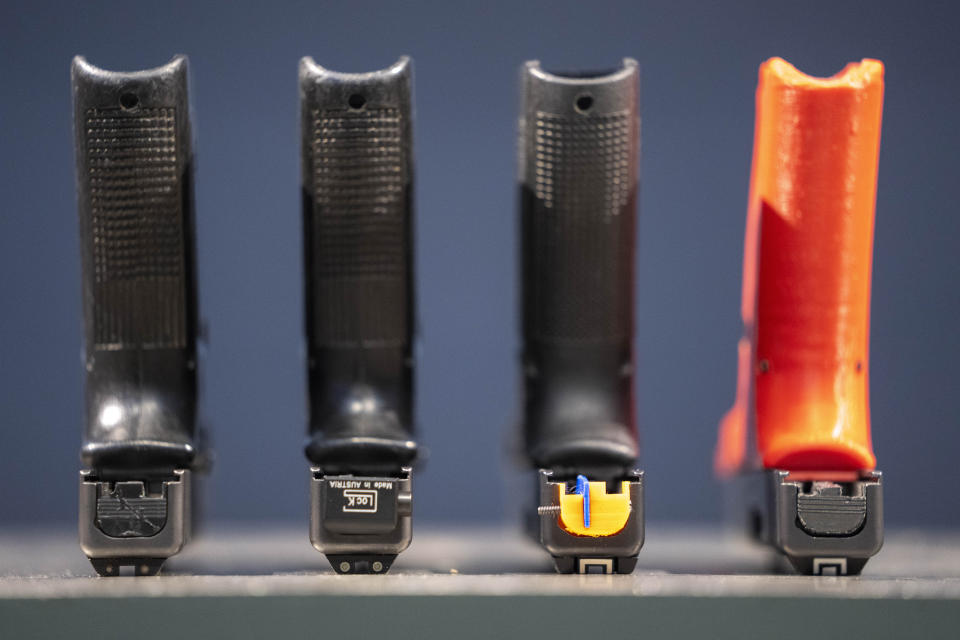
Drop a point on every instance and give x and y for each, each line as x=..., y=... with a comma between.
x=578, y=171
x=357, y=217
x=802, y=400
x=134, y=164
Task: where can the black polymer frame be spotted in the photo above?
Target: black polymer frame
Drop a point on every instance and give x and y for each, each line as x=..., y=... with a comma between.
x=357, y=177
x=135, y=199
x=579, y=153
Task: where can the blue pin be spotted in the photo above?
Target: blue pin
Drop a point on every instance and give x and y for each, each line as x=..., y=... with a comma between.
x=583, y=489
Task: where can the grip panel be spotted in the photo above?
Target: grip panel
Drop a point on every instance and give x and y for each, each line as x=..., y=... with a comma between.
x=581, y=229
x=360, y=182
x=136, y=219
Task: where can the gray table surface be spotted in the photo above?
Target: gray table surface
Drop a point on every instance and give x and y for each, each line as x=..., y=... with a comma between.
x=480, y=582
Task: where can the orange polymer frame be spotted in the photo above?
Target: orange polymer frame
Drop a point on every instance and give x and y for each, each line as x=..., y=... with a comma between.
x=803, y=360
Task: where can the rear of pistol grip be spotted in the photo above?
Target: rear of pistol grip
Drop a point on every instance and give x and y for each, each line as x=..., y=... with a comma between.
x=579, y=151
x=358, y=220
x=134, y=191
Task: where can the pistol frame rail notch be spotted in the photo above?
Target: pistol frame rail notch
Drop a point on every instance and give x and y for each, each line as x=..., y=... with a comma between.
x=616, y=553
x=135, y=200
x=133, y=523
x=822, y=527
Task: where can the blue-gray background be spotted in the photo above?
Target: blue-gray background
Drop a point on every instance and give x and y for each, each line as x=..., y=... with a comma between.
x=699, y=67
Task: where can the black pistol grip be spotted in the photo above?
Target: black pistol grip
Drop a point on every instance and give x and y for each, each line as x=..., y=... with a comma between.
x=357, y=181
x=579, y=151
x=134, y=163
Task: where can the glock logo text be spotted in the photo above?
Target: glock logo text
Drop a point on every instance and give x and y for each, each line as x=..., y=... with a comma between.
x=360, y=501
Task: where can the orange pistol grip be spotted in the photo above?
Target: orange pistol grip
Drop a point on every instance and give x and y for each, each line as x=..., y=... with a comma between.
x=807, y=261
